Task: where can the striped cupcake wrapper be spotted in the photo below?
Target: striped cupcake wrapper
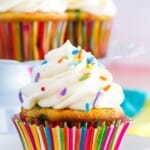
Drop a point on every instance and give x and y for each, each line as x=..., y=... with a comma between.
x=85, y=137
x=31, y=39
x=91, y=35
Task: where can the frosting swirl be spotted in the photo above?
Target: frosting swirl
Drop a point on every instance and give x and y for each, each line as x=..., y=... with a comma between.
x=33, y=5
x=71, y=78
x=97, y=7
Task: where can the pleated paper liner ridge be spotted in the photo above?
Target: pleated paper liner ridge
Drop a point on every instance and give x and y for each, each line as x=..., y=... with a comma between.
x=63, y=136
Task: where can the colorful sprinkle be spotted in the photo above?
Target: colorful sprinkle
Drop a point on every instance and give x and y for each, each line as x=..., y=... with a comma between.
x=75, y=52
x=61, y=59
x=20, y=97
x=43, y=88
x=96, y=98
x=44, y=62
x=37, y=77
x=63, y=92
x=87, y=107
x=90, y=66
x=66, y=57
x=103, y=78
x=85, y=76
x=106, y=88
x=89, y=60
x=80, y=54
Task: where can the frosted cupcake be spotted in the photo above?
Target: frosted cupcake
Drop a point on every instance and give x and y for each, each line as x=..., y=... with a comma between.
x=90, y=23
x=29, y=29
x=71, y=103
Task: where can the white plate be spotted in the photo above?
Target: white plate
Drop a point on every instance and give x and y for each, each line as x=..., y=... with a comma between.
x=10, y=141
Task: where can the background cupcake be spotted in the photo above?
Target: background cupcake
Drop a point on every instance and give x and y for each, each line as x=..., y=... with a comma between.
x=71, y=103
x=28, y=29
x=90, y=23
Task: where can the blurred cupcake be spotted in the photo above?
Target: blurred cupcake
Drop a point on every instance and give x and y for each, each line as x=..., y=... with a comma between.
x=71, y=103
x=90, y=23
x=28, y=29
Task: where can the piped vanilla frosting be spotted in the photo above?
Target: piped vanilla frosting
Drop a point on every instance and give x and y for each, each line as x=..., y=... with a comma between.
x=72, y=78
x=97, y=7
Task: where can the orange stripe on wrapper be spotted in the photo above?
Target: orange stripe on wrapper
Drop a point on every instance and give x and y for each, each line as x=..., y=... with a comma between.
x=4, y=41
x=35, y=135
x=66, y=138
x=33, y=51
x=43, y=137
x=79, y=32
x=96, y=36
x=15, y=40
x=53, y=33
x=55, y=138
x=26, y=135
x=106, y=36
x=77, y=139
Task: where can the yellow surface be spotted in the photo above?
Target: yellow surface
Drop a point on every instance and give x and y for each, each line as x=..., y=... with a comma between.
x=140, y=125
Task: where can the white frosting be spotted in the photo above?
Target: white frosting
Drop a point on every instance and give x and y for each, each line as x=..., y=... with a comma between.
x=66, y=71
x=97, y=7
x=33, y=5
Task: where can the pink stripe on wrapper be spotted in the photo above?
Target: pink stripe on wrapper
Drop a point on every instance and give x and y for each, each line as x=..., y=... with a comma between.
x=121, y=135
x=107, y=138
x=30, y=135
x=26, y=39
x=70, y=139
x=111, y=136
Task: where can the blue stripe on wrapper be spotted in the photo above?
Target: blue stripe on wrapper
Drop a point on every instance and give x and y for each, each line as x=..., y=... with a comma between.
x=83, y=134
x=49, y=139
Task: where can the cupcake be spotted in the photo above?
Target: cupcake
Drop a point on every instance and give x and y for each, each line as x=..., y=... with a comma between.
x=71, y=103
x=29, y=29
x=90, y=23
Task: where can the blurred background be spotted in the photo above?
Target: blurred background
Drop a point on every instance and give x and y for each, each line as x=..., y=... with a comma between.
x=131, y=25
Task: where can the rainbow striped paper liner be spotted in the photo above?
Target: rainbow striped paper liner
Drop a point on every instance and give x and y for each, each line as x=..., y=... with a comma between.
x=29, y=36
x=70, y=138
